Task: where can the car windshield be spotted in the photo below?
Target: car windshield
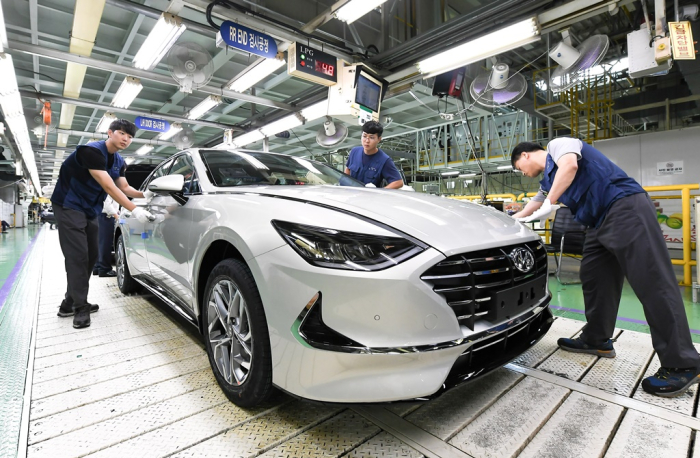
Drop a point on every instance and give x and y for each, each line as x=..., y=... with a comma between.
x=237, y=168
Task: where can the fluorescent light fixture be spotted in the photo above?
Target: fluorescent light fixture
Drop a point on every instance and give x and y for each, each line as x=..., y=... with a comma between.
x=453, y=173
x=254, y=73
x=245, y=139
x=505, y=167
x=11, y=104
x=505, y=39
x=167, y=30
x=286, y=123
x=315, y=111
x=127, y=92
x=8, y=80
x=3, y=32
x=107, y=119
x=204, y=106
x=145, y=149
x=174, y=129
x=355, y=9
x=129, y=160
x=16, y=123
x=465, y=175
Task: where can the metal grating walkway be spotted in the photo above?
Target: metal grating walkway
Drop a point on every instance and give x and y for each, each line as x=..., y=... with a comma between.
x=137, y=383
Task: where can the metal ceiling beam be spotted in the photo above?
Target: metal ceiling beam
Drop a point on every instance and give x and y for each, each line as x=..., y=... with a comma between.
x=143, y=74
x=104, y=106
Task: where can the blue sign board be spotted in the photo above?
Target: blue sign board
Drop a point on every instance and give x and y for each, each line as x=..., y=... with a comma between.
x=248, y=40
x=152, y=124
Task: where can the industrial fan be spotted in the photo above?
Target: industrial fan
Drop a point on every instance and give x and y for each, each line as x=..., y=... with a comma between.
x=496, y=88
x=190, y=65
x=42, y=123
x=573, y=62
x=331, y=133
x=184, y=139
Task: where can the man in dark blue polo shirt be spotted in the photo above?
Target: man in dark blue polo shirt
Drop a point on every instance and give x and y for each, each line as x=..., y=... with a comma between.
x=623, y=239
x=369, y=164
x=86, y=177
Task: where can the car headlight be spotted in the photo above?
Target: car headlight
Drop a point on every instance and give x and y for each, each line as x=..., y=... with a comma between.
x=336, y=249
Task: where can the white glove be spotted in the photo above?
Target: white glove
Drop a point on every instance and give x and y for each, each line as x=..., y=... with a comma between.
x=370, y=185
x=541, y=213
x=142, y=215
x=148, y=195
x=110, y=207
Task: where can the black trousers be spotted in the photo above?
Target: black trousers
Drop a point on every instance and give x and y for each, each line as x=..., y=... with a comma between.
x=78, y=237
x=629, y=244
x=106, y=233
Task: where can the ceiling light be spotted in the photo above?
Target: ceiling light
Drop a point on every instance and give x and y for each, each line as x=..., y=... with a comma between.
x=127, y=92
x=167, y=30
x=8, y=80
x=315, y=111
x=3, y=32
x=245, y=139
x=286, y=123
x=505, y=167
x=107, y=119
x=11, y=104
x=494, y=43
x=204, y=106
x=129, y=160
x=453, y=173
x=174, y=129
x=355, y=9
x=254, y=73
x=465, y=175
x=145, y=149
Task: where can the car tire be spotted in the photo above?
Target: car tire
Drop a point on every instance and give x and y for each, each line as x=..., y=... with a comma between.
x=125, y=281
x=236, y=334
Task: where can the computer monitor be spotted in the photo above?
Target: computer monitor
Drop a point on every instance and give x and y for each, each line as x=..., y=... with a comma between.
x=368, y=93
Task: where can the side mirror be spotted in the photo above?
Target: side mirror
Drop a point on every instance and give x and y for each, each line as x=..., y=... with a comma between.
x=167, y=184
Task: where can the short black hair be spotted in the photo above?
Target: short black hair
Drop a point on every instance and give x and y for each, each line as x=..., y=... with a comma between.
x=124, y=125
x=524, y=147
x=373, y=127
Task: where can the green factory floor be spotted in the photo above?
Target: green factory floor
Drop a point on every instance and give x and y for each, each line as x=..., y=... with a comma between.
x=567, y=301
x=13, y=245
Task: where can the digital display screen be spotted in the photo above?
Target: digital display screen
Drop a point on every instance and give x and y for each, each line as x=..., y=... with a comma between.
x=368, y=93
x=326, y=69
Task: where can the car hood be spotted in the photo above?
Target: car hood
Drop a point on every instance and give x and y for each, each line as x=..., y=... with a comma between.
x=449, y=225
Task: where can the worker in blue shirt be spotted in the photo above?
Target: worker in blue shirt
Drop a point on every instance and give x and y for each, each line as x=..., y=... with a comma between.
x=623, y=240
x=371, y=165
x=86, y=177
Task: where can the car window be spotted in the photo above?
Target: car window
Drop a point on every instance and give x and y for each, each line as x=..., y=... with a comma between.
x=183, y=166
x=157, y=173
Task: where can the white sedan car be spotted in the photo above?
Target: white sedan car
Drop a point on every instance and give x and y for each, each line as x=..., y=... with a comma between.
x=300, y=278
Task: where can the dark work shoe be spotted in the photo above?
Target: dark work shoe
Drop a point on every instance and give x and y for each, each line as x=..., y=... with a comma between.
x=81, y=319
x=579, y=346
x=111, y=273
x=671, y=382
x=66, y=310
x=95, y=272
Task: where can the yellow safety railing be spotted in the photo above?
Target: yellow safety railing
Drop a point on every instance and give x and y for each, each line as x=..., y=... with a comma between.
x=685, y=189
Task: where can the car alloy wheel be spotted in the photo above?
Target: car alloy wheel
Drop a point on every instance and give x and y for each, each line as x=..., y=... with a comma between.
x=229, y=332
x=125, y=281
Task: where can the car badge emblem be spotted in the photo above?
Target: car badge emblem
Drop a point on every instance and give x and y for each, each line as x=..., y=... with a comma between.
x=523, y=259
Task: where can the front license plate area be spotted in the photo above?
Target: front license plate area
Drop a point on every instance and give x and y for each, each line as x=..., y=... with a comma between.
x=513, y=301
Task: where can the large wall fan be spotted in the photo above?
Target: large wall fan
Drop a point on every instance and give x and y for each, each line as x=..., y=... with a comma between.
x=496, y=88
x=190, y=65
x=184, y=139
x=573, y=62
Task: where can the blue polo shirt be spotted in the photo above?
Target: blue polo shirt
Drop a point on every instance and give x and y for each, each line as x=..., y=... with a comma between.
x=372, y=168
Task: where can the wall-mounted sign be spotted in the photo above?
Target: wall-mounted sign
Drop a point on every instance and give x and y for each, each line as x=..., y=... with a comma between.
x=248, y=40
x=312, y=64
x=152, y=124
x=682, y=39
x=669, y=168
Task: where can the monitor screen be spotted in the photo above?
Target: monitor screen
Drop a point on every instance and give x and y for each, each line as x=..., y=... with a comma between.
x=368, y=93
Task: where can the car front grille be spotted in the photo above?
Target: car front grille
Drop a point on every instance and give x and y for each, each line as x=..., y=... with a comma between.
x=487, y=284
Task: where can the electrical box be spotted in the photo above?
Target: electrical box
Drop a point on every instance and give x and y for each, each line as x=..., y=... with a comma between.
x=642, y=57
x=312, y=64
x=357, y=97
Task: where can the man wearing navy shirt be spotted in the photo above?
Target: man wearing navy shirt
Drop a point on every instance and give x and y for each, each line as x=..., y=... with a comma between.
x=86, y=177
x=623, y=240
x=371, y=165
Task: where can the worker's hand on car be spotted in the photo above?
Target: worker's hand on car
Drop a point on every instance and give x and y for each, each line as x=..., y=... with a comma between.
x=370, y=185
x=541, y=213
x=110, y=208
x=148, y=195
x=142, y=215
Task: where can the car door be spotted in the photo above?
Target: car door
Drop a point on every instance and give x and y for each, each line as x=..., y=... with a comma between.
x=136, y=233
x=167, y=246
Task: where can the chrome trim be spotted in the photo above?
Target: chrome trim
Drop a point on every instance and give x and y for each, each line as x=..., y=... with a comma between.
x=452, y=289
x=489, y=259
x=491, y=285
x=167, y=300
x=450, y=263
x=464, y=317
x=492, y=271
x=442, y=277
